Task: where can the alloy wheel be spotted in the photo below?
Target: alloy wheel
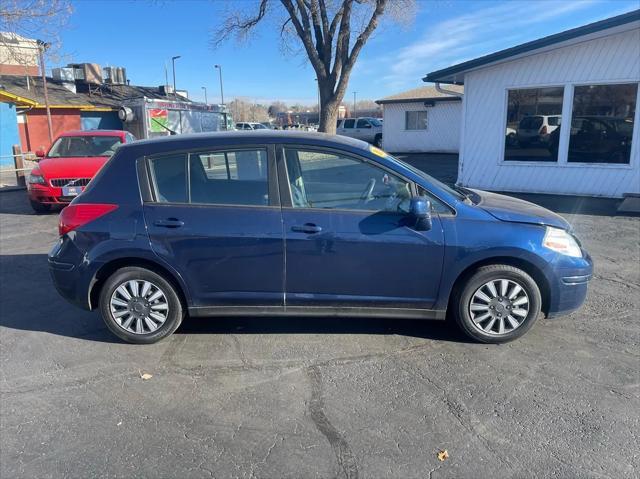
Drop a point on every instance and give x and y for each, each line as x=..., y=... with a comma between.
x=139, y=306
x=499, y=306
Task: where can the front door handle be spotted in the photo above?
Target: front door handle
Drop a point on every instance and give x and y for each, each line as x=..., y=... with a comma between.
x=308, y=228
x=169, y=223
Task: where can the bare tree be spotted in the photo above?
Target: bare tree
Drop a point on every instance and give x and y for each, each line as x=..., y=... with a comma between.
x=276, y=107
x=30, y=19
x=332, y=33
x=245, y=110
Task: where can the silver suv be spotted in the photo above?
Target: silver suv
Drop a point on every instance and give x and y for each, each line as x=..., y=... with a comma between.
x=365, y=128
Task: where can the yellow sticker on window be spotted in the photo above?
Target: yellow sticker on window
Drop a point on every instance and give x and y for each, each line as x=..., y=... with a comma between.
x=377, y=151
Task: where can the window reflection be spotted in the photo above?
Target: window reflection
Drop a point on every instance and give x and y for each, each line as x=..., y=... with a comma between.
x=602, y=123
x=533, y=118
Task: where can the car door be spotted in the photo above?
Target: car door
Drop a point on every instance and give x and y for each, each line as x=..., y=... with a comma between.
x=363, y=130
x=348, y=240
x=214, y=216
x=348, y=127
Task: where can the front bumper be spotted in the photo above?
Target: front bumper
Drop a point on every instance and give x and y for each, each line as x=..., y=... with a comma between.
x=568, y=285
x=48, y=195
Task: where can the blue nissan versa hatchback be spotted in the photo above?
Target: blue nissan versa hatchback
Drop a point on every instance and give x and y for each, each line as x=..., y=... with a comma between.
x=280, y=223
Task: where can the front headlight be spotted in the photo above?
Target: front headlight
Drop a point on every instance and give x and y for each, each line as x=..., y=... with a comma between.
x=561, y=242
x=36, y=179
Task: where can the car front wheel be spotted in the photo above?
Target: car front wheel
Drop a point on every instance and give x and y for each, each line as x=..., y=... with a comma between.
x=498, y=303
x=140, y=306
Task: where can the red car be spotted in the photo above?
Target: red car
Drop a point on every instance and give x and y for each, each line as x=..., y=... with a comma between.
x=73, y=159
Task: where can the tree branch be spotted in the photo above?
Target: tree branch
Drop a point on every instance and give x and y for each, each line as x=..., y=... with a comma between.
x=360, y=41
x=240, y=26
x=317, y=28
x=305, y=36
x=344, y=37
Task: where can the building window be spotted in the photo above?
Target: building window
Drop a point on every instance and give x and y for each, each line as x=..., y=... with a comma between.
x=602, y=123
x=415, y=120
x=533, y=124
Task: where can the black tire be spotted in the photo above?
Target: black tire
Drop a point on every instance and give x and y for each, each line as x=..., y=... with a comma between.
x=377, y=141
x=174, y=316
x=40, y=208
x=463, y=296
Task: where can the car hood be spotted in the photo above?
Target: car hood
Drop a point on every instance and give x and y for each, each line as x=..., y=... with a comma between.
x=76, y=167
x=507, y=208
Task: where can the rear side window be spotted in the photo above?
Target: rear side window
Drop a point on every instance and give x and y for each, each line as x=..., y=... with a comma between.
x=238, y=177
x=169, y=178
x=348, y=124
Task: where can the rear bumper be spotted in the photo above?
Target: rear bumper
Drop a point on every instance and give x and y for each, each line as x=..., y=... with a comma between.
x=72, y=282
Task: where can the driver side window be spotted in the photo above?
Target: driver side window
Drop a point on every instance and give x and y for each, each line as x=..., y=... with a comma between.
x=326, y=180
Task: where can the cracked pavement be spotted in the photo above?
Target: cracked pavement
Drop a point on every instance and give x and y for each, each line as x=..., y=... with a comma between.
x=266, y=398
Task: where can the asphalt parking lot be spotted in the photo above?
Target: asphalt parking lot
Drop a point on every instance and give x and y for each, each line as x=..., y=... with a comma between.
x=296, y=398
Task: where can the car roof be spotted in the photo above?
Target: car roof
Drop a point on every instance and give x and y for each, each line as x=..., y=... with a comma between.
x=185, y=141
x=93, y=133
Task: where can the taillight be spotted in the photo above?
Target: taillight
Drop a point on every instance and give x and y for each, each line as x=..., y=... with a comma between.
x=75, y=216
x=543, y=130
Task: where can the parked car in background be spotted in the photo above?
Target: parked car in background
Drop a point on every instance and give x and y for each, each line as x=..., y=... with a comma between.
x=203, y=224
x=597, y=139
x=537, y=128
x=250, y=126
x=65, y=170
x=365, y=129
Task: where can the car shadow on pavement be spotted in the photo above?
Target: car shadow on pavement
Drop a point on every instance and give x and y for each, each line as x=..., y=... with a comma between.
x=424, y=329
x=29, y=302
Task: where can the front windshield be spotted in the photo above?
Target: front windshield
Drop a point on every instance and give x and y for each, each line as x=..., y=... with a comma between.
x=456, y=194
x=83, y=146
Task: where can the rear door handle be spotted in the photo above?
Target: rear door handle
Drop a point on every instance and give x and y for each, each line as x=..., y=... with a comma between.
x=169, y=223
x=309, y=228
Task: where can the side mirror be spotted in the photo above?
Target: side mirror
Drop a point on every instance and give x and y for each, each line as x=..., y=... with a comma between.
x=368, y=125
x=40, y=153
x=420, y=212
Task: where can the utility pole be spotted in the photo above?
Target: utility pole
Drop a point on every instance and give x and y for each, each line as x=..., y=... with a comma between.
x=354, y=104
x=219, y=67
x=42, y=46
x=166, y=75
x=173, y=64
x=224, y=115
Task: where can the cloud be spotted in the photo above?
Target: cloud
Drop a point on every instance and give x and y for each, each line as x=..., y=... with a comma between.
x=471, y=35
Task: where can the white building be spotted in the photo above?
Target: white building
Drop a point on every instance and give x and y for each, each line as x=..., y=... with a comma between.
x=422, y=120
x=555, y=115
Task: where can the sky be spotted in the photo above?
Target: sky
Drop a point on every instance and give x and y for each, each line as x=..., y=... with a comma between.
x=143, y=35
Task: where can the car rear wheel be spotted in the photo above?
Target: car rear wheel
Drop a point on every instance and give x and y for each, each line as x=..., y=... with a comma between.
x=140, y=306
x=39, y=207
x=498, y=303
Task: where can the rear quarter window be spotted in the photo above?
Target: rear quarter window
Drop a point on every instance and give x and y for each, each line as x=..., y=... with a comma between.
x=169, y=178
